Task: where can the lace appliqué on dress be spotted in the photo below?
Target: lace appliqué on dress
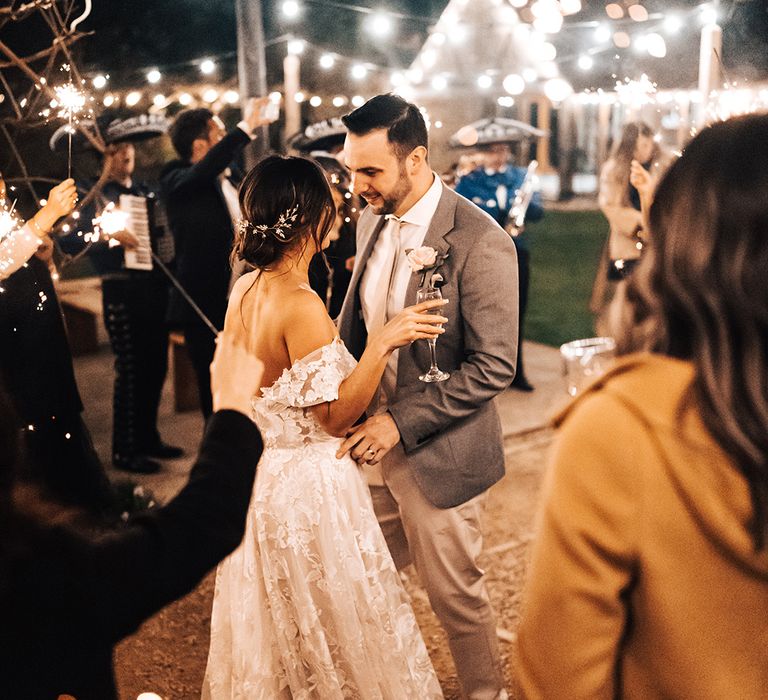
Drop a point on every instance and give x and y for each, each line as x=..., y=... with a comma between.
x=310, y=606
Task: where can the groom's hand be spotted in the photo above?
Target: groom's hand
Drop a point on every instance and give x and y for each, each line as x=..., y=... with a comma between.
x=370, y=441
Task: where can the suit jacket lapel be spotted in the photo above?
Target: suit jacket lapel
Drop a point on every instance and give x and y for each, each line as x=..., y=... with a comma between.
x=442, y=223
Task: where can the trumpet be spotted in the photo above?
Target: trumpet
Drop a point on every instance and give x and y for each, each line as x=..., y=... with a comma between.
x=515, y=222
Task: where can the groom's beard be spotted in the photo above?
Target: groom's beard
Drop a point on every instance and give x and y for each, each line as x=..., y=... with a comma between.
x=390, y=203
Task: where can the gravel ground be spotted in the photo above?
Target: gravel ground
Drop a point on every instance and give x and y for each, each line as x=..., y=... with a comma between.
x=168, y=654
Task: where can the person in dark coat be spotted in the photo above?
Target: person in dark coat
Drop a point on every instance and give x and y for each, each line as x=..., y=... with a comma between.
x=36, y=368
x=201, y=202
x=68, y=596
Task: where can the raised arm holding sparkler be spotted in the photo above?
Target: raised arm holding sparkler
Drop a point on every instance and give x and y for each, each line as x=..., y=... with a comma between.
x=19, y=241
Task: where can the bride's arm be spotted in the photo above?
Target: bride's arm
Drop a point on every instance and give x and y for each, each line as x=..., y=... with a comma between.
x=308, y=327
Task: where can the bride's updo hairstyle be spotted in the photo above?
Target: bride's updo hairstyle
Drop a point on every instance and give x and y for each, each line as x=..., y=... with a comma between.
x=285, y=202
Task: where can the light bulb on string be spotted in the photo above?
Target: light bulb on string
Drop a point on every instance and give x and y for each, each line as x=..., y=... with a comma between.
x=379, y=25
x=484, y=81
x=290, y=9
x=672, y=24
x=296, y=47
x=603, y=33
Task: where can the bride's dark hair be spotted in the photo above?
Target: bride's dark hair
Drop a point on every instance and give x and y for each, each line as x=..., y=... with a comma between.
x=274, y=190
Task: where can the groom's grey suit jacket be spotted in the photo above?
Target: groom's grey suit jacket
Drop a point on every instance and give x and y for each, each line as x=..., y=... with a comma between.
x=450, y=430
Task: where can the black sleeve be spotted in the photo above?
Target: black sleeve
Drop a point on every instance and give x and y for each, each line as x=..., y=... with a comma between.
x=132, y=574
x=210, y=167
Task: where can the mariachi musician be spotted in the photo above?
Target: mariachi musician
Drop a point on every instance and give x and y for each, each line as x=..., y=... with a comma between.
x=494, y=186
x=135, y=294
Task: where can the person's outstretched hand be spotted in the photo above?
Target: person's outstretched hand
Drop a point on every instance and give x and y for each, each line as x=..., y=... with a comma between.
x=254, y=112
x=235, y=376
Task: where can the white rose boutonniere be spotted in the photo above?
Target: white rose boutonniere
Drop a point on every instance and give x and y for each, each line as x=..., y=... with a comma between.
x=423, y=259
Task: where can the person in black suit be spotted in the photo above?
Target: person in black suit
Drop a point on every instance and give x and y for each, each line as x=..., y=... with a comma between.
x=68, y=597
x=135, y=304
x=202, y=207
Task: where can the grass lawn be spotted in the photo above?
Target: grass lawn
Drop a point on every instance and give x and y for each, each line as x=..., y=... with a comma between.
x=565, y=249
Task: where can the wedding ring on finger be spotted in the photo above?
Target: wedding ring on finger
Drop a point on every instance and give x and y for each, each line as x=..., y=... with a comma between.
x=368, y=455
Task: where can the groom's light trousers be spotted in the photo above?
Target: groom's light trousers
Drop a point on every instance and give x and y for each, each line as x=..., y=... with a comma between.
x=445, y=545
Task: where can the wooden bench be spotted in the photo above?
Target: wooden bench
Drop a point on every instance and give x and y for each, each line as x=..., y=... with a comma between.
x=185, y=393
x=81, y=306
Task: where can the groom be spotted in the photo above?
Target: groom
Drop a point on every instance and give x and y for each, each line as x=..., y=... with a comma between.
x=439, y=445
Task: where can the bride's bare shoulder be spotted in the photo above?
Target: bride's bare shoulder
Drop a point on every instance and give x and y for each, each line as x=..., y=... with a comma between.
x=302, y=305
x=243, y=284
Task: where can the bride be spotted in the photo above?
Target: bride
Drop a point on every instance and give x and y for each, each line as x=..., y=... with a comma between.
x=310, y=605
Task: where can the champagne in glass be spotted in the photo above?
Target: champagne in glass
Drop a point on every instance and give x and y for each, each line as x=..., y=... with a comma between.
x=435, y=374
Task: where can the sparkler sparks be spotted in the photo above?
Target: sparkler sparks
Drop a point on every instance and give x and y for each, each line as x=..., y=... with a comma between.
x=110, y=221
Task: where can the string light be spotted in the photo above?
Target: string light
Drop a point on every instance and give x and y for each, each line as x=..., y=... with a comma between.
x=379, y=25
x=602, y=33
x=291, y=9
x=327, y=61
x=99, y=81
x=484, y=81
x=672, y=24
x=296, y=47
x=154, y=76
x=211, y=95
x=207, y=66
x=638, y=13
x=359, y=71
x=514, y=84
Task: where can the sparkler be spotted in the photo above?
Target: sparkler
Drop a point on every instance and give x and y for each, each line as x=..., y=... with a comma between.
x=70, y=101
x=109, y=222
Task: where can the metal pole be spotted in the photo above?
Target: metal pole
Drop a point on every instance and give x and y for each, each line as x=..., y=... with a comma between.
x=251, y=66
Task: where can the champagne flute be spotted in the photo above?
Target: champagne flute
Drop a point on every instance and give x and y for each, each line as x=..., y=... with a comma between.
x=435, y=374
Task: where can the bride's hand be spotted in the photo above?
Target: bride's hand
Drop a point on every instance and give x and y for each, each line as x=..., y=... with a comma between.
x=412, y=323
x=235, y=376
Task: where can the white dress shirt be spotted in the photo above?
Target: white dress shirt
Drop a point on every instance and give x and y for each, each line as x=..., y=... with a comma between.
x=413, y=229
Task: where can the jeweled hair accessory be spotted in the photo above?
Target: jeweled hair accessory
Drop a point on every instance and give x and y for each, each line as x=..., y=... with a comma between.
x=284, y=223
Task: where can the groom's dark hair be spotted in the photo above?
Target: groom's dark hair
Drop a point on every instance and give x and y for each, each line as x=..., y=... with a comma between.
x=403, y=121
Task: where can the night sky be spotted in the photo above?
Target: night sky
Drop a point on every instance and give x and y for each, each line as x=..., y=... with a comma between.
x=130, y=37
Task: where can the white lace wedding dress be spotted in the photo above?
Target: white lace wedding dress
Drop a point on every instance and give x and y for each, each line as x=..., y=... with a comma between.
x=310, y=605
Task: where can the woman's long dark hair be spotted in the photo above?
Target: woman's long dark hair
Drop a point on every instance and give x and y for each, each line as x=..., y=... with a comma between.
x=701, y=292
x=273, y=187
x=624, y=152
